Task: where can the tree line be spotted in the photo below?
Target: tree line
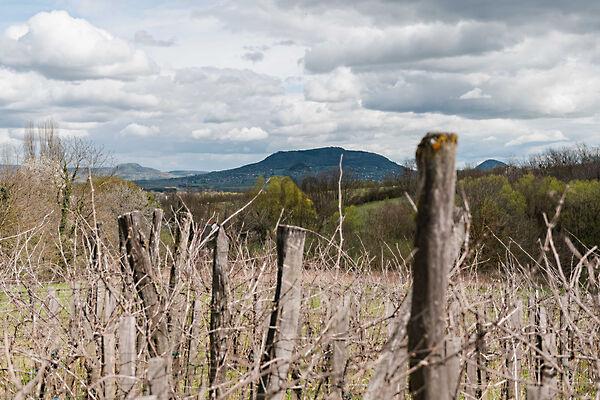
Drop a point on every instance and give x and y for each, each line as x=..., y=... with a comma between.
x=508, y=207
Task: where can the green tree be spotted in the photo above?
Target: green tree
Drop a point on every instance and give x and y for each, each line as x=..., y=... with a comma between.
x=281, y=201
x=498, y=210
x=581, y=213
x=541, y=195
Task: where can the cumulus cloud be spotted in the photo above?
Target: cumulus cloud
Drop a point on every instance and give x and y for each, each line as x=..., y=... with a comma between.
x=476, y=93
x=243, y=134
x=30, y=90
x=146, y=39
x=407, y=43
x=60, y=46
x=340, y=85
x=135, y=129
x=246, y=134
x=371, y=75
x=538, y=137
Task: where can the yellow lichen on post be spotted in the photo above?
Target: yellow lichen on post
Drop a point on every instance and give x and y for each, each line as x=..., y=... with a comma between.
x=436, y=181
x=435, y=141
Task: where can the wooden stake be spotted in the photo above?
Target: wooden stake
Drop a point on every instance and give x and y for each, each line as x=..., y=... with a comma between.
x=433, y=259
x=285, y=315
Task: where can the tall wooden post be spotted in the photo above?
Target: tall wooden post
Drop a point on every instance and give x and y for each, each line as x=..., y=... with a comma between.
x=436, y=186
x=339, y=347
x=285, y=315
x=218, y=313
x=127, y=354
x=138, y=259
x=158, y=378
x=178, y=304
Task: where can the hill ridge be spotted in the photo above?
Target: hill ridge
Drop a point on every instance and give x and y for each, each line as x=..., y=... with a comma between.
x=294, y=163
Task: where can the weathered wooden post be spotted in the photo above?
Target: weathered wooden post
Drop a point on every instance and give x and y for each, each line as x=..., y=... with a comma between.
x=546, y=387
x=109, y=345
x=127, y=354
x=178, y=304
x=452, y=355
x=138, y=259
x=339, y=356
x=154, y=246
x=436, y=187
x=565, y=343
x=389, y=379
x=193, y=343
x=158, y=378
x=513, y=353
x=219, y=315
x=283, y=326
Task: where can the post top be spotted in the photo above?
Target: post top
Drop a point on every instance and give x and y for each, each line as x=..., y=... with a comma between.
x=436, y=140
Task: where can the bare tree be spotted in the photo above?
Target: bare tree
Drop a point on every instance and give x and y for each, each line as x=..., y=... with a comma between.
x=65, y=160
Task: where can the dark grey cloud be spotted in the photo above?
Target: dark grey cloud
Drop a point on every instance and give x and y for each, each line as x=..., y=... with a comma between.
x=511, y=77
x=406, y=44
x=576, y=15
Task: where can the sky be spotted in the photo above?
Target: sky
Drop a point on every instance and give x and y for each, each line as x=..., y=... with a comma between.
x=209, y=85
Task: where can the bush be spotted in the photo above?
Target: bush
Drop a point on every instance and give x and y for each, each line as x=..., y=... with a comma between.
x=496, y=209
x=281, y=201
x=581, y=214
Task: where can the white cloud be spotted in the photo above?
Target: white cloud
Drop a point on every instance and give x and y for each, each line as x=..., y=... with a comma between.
x=135, y=129
x=538, y=137
x=337, y=86
x=474, y=94
x=60, y=46
x=245, y=134
x=30, y=90
x=202, y=133
x=373, y=46
x=372, y=74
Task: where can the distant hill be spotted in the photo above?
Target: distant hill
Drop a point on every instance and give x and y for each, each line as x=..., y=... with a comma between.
x=296, y=164
x=135, y=172
x=490, y=164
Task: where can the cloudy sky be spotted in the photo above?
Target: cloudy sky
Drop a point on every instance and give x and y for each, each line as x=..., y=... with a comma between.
x=216, y=84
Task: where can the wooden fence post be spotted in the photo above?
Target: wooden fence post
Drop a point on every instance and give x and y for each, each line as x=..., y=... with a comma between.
x=436, y=185
x=389, y=379
x=154, y=245
x=178, y=298
x=452, y=353
x=193, y=343
x=127, y=353
x=219, y=315
x=138, y=259
x=339, y=344
x=513, y=353
x=283, y=326
x=158, y=378
x=109, y=344
x=565, y=340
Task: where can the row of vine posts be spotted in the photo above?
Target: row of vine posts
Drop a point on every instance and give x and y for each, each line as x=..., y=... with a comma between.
x=135, y=330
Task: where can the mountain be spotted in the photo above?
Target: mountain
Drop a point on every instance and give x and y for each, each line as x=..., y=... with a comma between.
x=490, y=164
x=296, y=164
x=135, y=172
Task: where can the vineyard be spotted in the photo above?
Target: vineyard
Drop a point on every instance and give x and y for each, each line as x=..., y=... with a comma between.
x=186, y=310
